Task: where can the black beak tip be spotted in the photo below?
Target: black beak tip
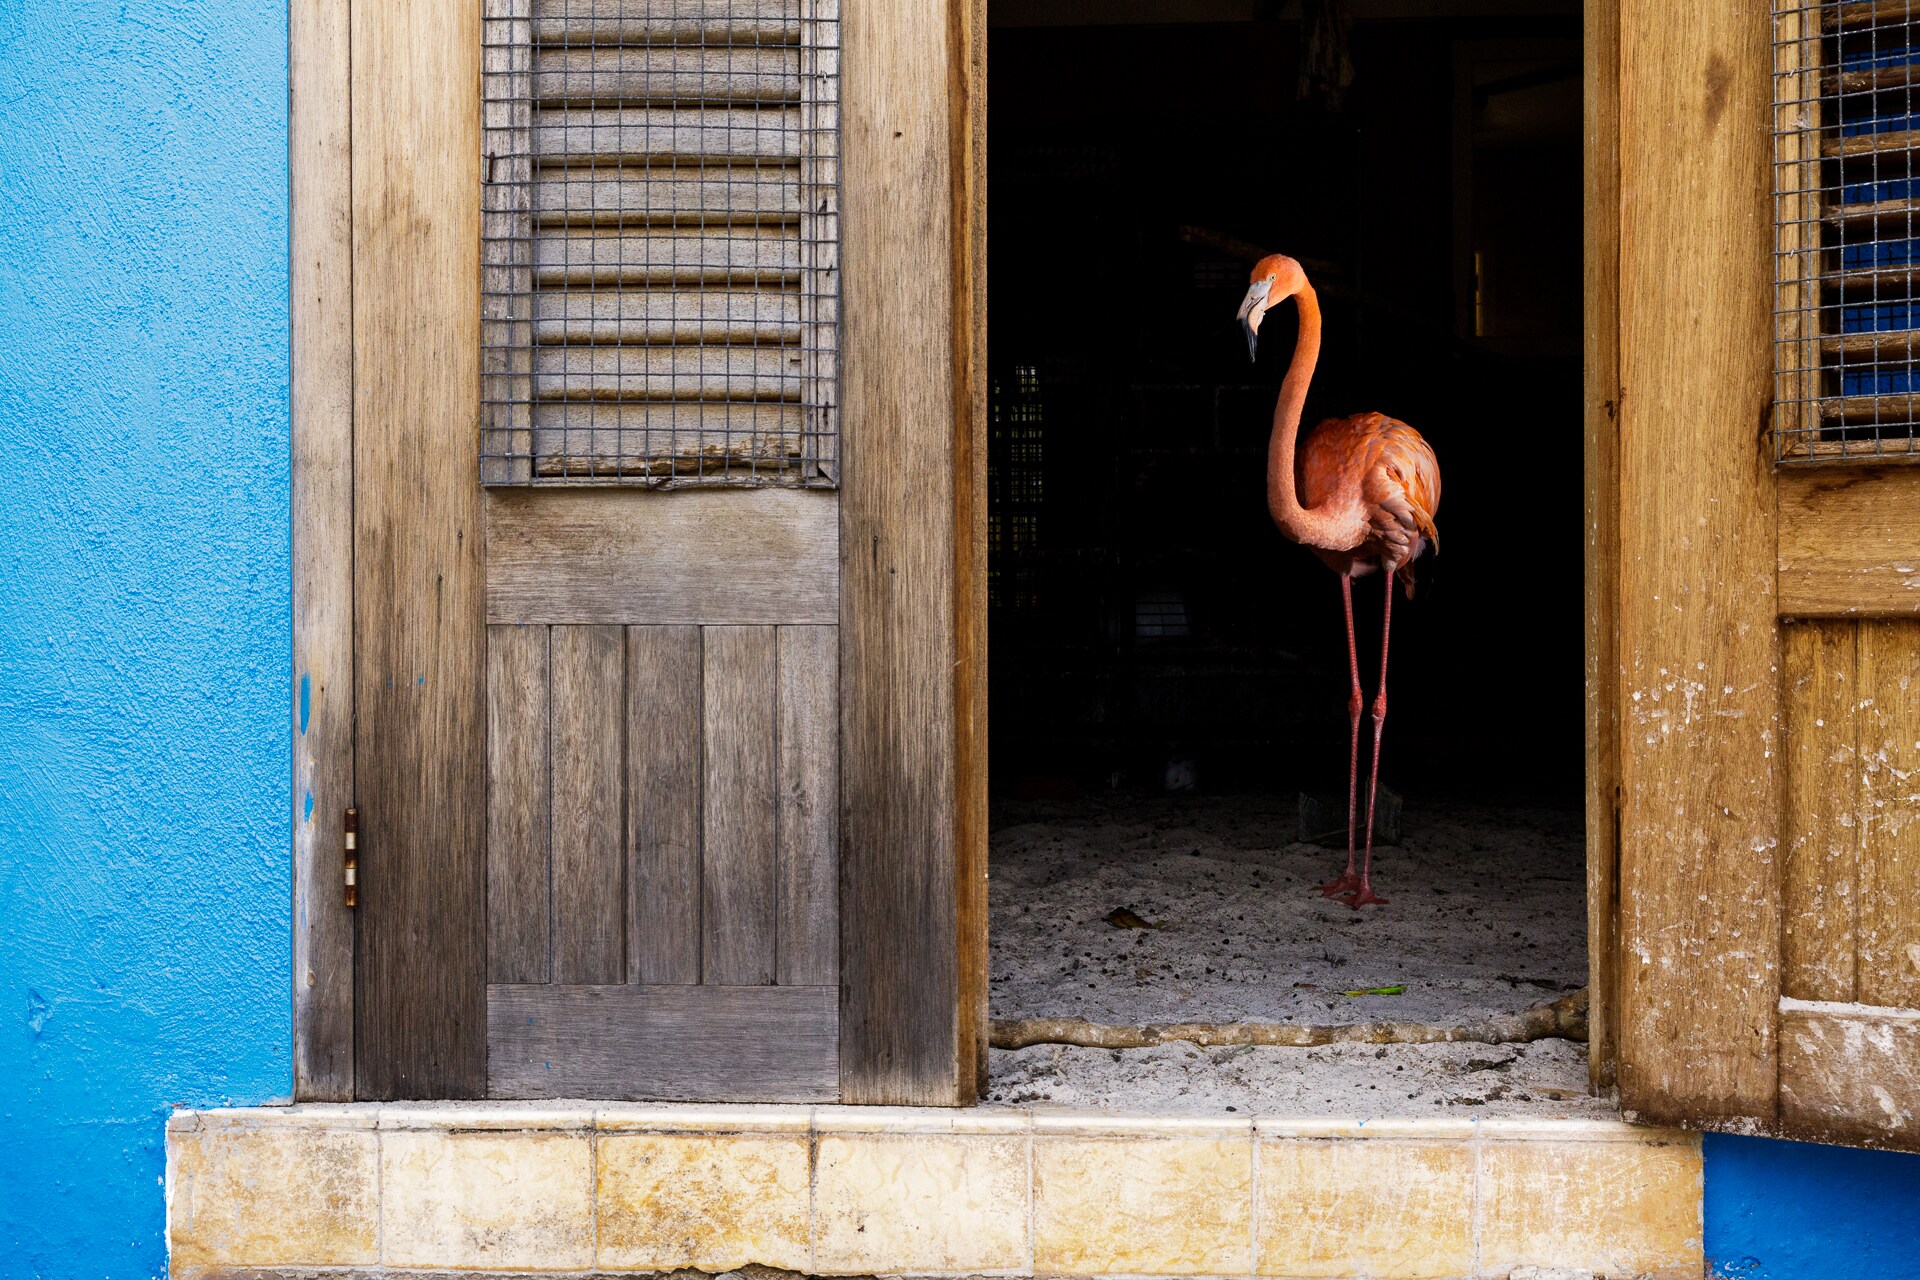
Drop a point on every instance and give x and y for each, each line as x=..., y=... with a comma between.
x=1253, y=343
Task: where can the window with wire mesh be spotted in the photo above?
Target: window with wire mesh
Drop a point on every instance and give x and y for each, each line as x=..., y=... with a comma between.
x=660, y=242
x=1847, y=229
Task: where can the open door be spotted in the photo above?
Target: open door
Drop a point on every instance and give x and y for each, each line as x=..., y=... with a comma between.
x=663, y=629
x=1755, y=643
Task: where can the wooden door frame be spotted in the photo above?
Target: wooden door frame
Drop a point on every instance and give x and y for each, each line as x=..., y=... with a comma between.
x=1600, y=56
x=913, y=595
x=321, y=302
x=913, y=621
x=1684, y=650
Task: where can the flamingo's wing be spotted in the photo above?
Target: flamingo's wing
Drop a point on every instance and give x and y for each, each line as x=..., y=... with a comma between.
x=1403, y=486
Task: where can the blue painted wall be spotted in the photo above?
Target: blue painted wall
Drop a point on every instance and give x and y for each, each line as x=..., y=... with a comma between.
x=143, y=603
x=144, y=651
x=1792, y=1211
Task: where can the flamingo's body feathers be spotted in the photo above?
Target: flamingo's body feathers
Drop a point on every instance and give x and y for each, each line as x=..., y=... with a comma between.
x=1382, y=471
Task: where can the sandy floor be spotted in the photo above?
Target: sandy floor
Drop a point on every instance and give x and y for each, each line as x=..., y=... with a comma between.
x=1545, y=1078
x=1486, y=916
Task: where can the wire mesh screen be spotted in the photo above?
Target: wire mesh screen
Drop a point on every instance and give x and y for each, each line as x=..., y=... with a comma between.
x=1847, y=229
x=660, y=240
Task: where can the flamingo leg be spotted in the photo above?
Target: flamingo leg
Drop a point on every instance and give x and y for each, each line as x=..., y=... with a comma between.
x=1364, y=894
x=1347, y=882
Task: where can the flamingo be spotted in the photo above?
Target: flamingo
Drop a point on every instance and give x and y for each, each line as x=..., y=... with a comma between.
x=1371, y=486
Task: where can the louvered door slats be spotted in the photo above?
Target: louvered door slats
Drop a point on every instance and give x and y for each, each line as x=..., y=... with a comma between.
x=661, y=266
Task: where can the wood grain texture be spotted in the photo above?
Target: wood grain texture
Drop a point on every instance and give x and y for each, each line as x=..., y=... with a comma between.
x=666, y=255
x=664, y=718
x=666, y=1043
x=610, y=134
x=519, y=846
x=1822, y=837
x=1887, y=915
x=419, y=681
x=968, y=114
x=636, y=75
x=901, y=1034
x=1601, y=270
x=738, y=874
x=321, y=303
x=1849, y=542
x=623, y=556
x=647, y=22
x=1850, y=1074
x=1699, y=651
x=807, y=819
x=588, y=718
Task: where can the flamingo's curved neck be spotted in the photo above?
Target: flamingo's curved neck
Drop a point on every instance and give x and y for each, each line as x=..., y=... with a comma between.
x=1316, y=526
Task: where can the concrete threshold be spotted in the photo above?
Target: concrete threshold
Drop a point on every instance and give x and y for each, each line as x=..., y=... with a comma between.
x=358, y=1191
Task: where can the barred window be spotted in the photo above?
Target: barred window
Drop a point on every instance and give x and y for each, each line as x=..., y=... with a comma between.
x=660, y=283
x=1847, y=228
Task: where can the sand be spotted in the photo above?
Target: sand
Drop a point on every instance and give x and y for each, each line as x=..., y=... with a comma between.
x=1486, y=916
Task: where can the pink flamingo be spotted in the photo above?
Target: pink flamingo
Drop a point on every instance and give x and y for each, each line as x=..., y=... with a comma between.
x=1371, y=486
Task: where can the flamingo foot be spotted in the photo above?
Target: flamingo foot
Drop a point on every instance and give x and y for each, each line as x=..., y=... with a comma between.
x=1348, y=882
x=1362, y=895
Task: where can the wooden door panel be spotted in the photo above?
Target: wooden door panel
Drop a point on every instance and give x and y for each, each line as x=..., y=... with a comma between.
x=563, y=791
x=519, y=857
x=586, y=711
x=807, y=818
x=1820, y=687
x=1852, y=888
x=663, y=804
x=1887, y=919
x=664, y=862
x=737, y=938
x=669, y=1043
x=760, y=557
x=1849, y=541
x=1850, y=1074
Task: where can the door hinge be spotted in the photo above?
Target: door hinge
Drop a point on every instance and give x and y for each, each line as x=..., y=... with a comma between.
x=350, y=848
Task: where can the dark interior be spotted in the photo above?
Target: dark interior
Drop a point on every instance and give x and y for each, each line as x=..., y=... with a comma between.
x=1150, y=628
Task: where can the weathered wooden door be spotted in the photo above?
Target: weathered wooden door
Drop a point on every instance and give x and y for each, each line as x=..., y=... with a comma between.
x=1755, y=522
x=664, y=626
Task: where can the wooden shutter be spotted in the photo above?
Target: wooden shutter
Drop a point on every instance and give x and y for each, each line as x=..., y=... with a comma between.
x=662, y=280
x=1754, y=650
x=1846, y=256
x=665, y=730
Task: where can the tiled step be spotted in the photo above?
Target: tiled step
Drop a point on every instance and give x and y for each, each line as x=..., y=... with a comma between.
x=608, y=1189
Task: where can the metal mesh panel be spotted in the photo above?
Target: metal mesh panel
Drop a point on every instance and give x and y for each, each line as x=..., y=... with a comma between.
x=1847, y=229
x=660, y=242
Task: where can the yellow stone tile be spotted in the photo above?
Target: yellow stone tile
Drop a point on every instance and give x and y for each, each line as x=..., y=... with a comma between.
x=1143, y=1205
x=714, y=1203
x=1386, y=1209
x=1615, y=1208
x=244, y=1196
x=900, y=1202
x=495, y=1200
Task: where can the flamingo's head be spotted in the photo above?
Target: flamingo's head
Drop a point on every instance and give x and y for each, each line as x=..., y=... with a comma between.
x=1276, y=278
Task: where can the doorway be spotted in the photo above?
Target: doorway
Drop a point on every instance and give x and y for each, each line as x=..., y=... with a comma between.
x=1168, y=674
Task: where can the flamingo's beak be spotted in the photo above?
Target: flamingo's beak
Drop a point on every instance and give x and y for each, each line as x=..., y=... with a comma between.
x=1252, y=308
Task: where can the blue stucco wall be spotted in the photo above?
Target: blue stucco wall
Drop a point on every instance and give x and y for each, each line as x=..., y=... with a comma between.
x=143, y=603
x=1792, y=1211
